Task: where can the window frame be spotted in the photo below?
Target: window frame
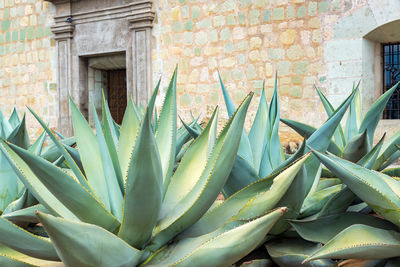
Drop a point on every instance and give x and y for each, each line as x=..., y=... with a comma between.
x=394, y=54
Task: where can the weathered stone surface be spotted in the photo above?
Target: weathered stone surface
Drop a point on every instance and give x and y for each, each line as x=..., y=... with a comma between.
x=287, y=37
x=307, y=42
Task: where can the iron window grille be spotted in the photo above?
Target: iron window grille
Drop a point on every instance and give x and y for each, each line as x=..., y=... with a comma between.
x=391, y=75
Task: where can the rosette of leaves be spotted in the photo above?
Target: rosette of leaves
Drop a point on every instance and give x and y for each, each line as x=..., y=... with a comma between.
x=260, y=153
x=123, y=204
x=13, y=194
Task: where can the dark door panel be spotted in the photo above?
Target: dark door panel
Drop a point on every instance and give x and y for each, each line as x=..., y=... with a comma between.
x=117, y=98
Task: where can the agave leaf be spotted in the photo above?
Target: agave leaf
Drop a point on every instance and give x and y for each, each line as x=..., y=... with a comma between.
x=394, y=172
x=183, y=150
x=90, y=155
x=25, y=214
x=258, y=130
x=244, y=146
x=108, y=134
x=25, y=200
x=60, y=146
x=340, y=139
x=334, y=224
x=16, y=204
x=5, y=126
x=306, y=131
x=9, y=184
x=387, y=151
x=129, y=128
x=19, y=136
x=294, y=196
x=213, y=177
x=70, y=193
x=272, y=155
x=191, y=168
x=114, y=182
x=354, y=117
x=33, y=183
x=143, y=189
x=325, y=173
x=370, y=158
x=25, y=242
x=292, y=252
x=297, y=155
x=361, y=208
x=51, y=152
x=314, y=202
x=14, y=118
x=74, y=153
x=242, y=174
x=379, y=191
x=108, y=125
x=327, y=182
x=155, y=120
x=189, y=129
x=392, y=159
x=10, y=257
x=253, y=200
x=82, y=244
x=357, y=242
x=183, y=135
x=321, y=140
x=220, y=248
x=357, y=147
x=37, y=146
x=374, y=114
x=12, y=262
x=230, y=106
x=338, y=203
x=166, y=132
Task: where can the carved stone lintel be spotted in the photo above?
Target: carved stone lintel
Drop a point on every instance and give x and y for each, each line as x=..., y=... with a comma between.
x=63, y=31
x=144, y=20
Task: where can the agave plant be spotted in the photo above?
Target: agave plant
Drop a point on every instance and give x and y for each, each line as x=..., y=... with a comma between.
x=13, y=195
x=353, y=235
x=345, y=231
x=326, y=201
x=355, y=142
x=123, y=204
x=262, y=144
x=260, y=151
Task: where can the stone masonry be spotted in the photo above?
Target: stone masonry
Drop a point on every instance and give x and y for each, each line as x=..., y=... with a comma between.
x=306, y=42
x=27, y=70
x=247, y=41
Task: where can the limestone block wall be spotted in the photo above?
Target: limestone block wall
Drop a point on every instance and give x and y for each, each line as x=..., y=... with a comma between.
x=307, y=42
x=27, y=60
x=248, y=41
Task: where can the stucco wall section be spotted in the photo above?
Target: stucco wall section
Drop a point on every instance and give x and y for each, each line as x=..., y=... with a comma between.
x=27, y=58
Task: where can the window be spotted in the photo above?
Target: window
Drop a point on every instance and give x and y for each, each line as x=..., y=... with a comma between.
x=391, y=75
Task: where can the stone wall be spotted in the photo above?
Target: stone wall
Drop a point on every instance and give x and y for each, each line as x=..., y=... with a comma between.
x=306, y=42
x=248, y=41
x=27, y=69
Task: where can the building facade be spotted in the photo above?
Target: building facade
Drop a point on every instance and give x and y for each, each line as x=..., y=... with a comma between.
x=52, y=49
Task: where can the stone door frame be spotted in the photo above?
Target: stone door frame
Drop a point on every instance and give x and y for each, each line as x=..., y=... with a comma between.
x=71, y=78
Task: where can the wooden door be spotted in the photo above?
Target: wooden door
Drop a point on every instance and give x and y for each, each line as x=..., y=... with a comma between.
x=117, y=98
